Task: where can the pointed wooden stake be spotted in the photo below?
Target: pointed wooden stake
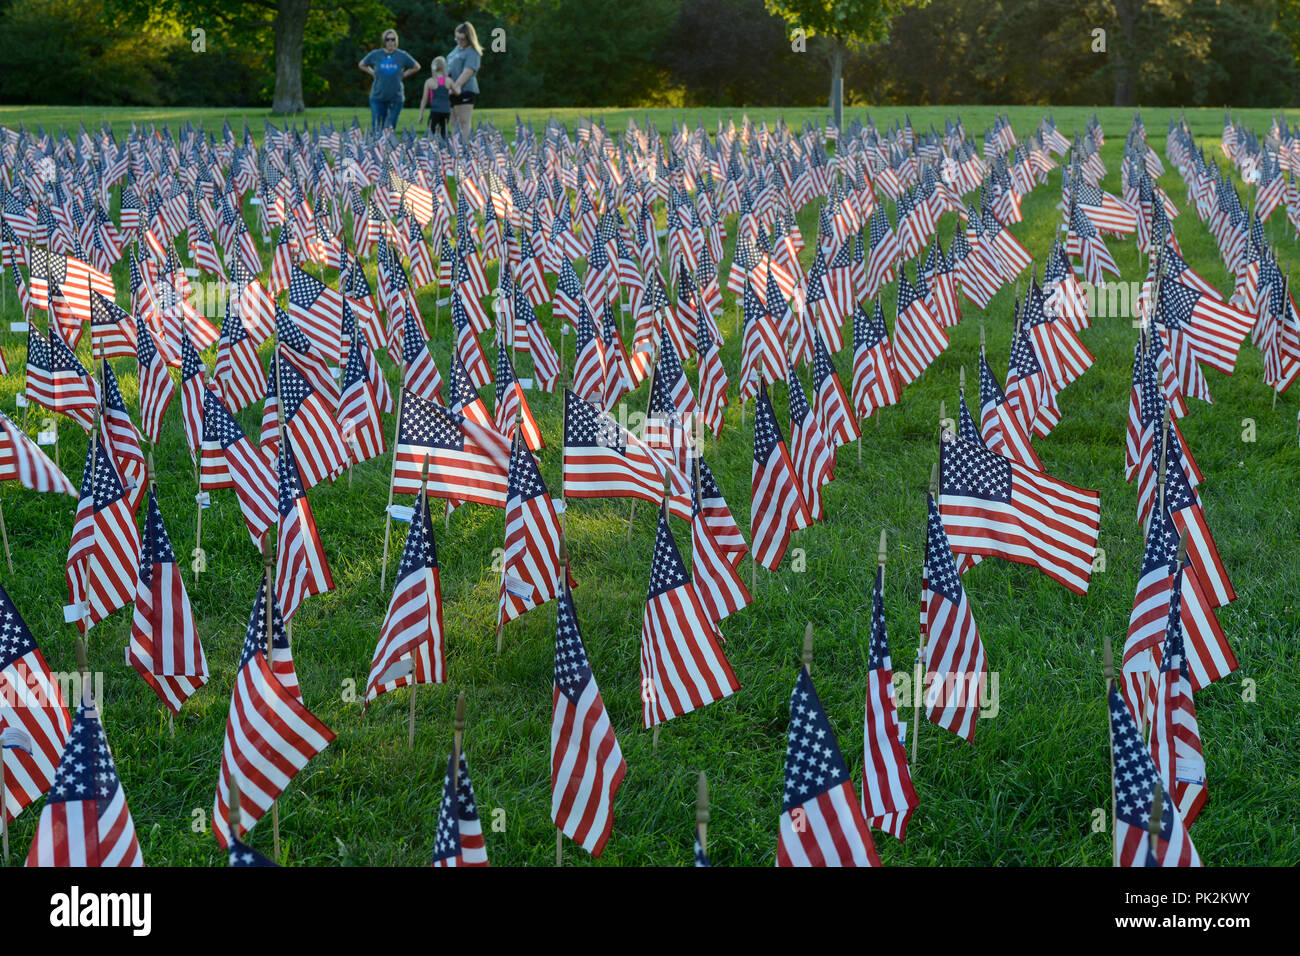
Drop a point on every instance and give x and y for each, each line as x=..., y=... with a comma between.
x=807, y=655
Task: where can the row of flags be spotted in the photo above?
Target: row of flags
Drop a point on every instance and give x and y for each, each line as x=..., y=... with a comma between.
x=512, y=204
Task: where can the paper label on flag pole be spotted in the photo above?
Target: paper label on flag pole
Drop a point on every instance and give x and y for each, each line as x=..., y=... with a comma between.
x=18, y=326
x=519, y=588
x=558, y=505
x=72, y=613
x=526, y=383
x=902, y=733
x=256, y=201
x=442, y=302
x=20, y=400
x=203, y=499
x=645, y=347
x=564, y=330
x=191, y=272
x=46, y=438
x=625, y=306
x=401, y=513
x=11, y=738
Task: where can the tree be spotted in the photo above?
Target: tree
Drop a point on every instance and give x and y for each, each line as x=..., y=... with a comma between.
x=843, y=25
x=250, y=20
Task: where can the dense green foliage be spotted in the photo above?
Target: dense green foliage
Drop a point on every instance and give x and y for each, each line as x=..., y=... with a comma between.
x=1027, y=792
x=665, y=52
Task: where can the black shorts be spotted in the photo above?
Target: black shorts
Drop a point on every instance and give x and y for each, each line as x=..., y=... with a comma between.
x=464, y=98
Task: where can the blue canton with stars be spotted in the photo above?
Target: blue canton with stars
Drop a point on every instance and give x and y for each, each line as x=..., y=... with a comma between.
x=767, y=433
x=427, y=424
x=813, y=764
x=255, y=633
x=15, y=638
x=457, y=805
x=86, y=769
x=666, y=569
x=878, y=652
x=940, y=568
x=969, y=471
x=1135, y=771
x=572, y=668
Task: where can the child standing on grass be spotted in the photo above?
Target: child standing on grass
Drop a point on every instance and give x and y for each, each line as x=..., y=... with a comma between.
x=437, y=98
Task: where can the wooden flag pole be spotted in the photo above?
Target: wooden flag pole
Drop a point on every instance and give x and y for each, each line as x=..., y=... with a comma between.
x=4, y=534
x=458, y=739
x=1155, y=822
x=268, y=571
x=420, y=503
x=918, y=683
x=501, y=611
x=650, y=397
x=564, y=577
x=1108, y=672
x=388, y=511
x=702, y=812
x=232, y=813
x=4, y=799
x=807, y=655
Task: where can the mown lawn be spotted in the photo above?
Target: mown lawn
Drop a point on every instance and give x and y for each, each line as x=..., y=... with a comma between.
x=1024, y=794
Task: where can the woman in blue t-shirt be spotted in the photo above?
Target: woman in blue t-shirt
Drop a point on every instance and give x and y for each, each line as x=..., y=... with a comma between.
x=462, y=66
x=389, y=67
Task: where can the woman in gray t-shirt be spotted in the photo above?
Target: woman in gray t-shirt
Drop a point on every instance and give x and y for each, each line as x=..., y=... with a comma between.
x=389, y=67
x=462, y=68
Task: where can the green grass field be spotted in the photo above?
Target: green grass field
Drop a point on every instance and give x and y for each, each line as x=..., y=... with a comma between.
x=1026, y=793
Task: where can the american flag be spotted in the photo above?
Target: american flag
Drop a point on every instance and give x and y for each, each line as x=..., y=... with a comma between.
x=21, y=459
x=122, y=440
x=876, y=383
x=193, y=388
x=682, y=665
x=888, y=797
x=1030, y=391
x=270, y=733
x=511, y=402
x=1214, y=329
x=283, y=260
x=238, y=371
x=717, y=515
x=883, y=253
x=590, y=363
x=317, y=309
x=229, y=460
x=713, y=565
x=104, y=556
x=112, y=329
x=241, y=854
x=954, y=655
x=546, y=363
x=587, y=765
x=713, y=383
x=362, y=426
x=778, y=505
x=1056, y=344
x=1175, y=734
x=459, y=837
x=821, y=819
x=156, y=387
x=833, y=412
x=602, y=459
x=420, y=374
x=532, y=554
x=57, y=380
x=1134, y=772
x=309, y=419
x=34, y=722
x=165, y=648
x=86, y=821
x=76, y=279
x=410, y=648
x=995, y=506
x=301, y=567
x=467, y=461
x=919, y=337
x=1189, y=518
x=1001, y=429
x=811, y=450
x=468, y=347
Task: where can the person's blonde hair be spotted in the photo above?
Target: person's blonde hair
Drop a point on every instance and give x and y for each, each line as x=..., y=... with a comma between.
x=439, y=66
x=386, y=34
x=467, y=28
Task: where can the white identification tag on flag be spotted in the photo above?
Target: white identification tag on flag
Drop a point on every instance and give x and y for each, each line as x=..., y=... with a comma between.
x=72, y=613
x=335, y=371
x=46, y=438
x=17, y=326
x=12, y=738
x=128, y=655
x=515, y=586
x=203, y=499
x=256, y=201
x=625, y=306
x=558, y=505
x=526, y=383
x=401, y=513
x=902, y=733
x=660, y=233
x=564, y=330
x=191, y=272
x=402, y=668
x=442, y=302
x=645, y=347
x=20, y=400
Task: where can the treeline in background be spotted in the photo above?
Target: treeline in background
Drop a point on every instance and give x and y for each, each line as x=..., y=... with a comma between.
x=726, y=53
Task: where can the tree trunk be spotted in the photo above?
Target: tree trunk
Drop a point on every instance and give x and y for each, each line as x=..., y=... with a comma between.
x=837, y=82
x=290, y=25
x=1126, y=52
